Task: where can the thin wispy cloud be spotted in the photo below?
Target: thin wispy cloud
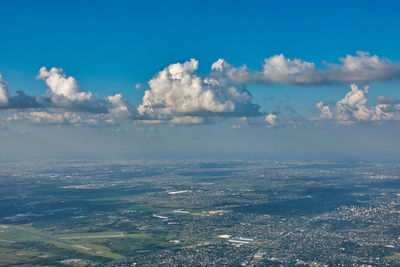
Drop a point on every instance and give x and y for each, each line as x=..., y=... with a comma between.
x=51, y=117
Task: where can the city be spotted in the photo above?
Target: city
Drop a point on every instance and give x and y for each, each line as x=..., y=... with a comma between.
x=200, y=213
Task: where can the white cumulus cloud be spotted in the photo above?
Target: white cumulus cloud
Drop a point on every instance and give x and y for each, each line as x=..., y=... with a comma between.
x=177, y=91
x=278, y=69
x=118, y=107
x=353, y=108
x=178, y=94
x=271, y=119
x=4, y=92
x=67, y=94
x=363, y=67
x=61, y=85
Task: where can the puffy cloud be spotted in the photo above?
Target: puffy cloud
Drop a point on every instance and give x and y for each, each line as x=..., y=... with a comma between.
x=179, y=95
x=362, y=67
x=61, y=85
x=353, y=105
x=66, y=104
x=118, y=107
x=353, y=108
x=222, y=70
x=271, y=119
x=326, y=112
x=177, y=91
x=66, y=93
x=4, y=92
x=278, y=69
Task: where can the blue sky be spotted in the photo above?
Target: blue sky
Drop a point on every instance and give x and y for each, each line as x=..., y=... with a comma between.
x=111, y=46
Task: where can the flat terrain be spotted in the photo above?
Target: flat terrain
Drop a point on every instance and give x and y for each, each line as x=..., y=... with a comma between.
x=199, y=213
